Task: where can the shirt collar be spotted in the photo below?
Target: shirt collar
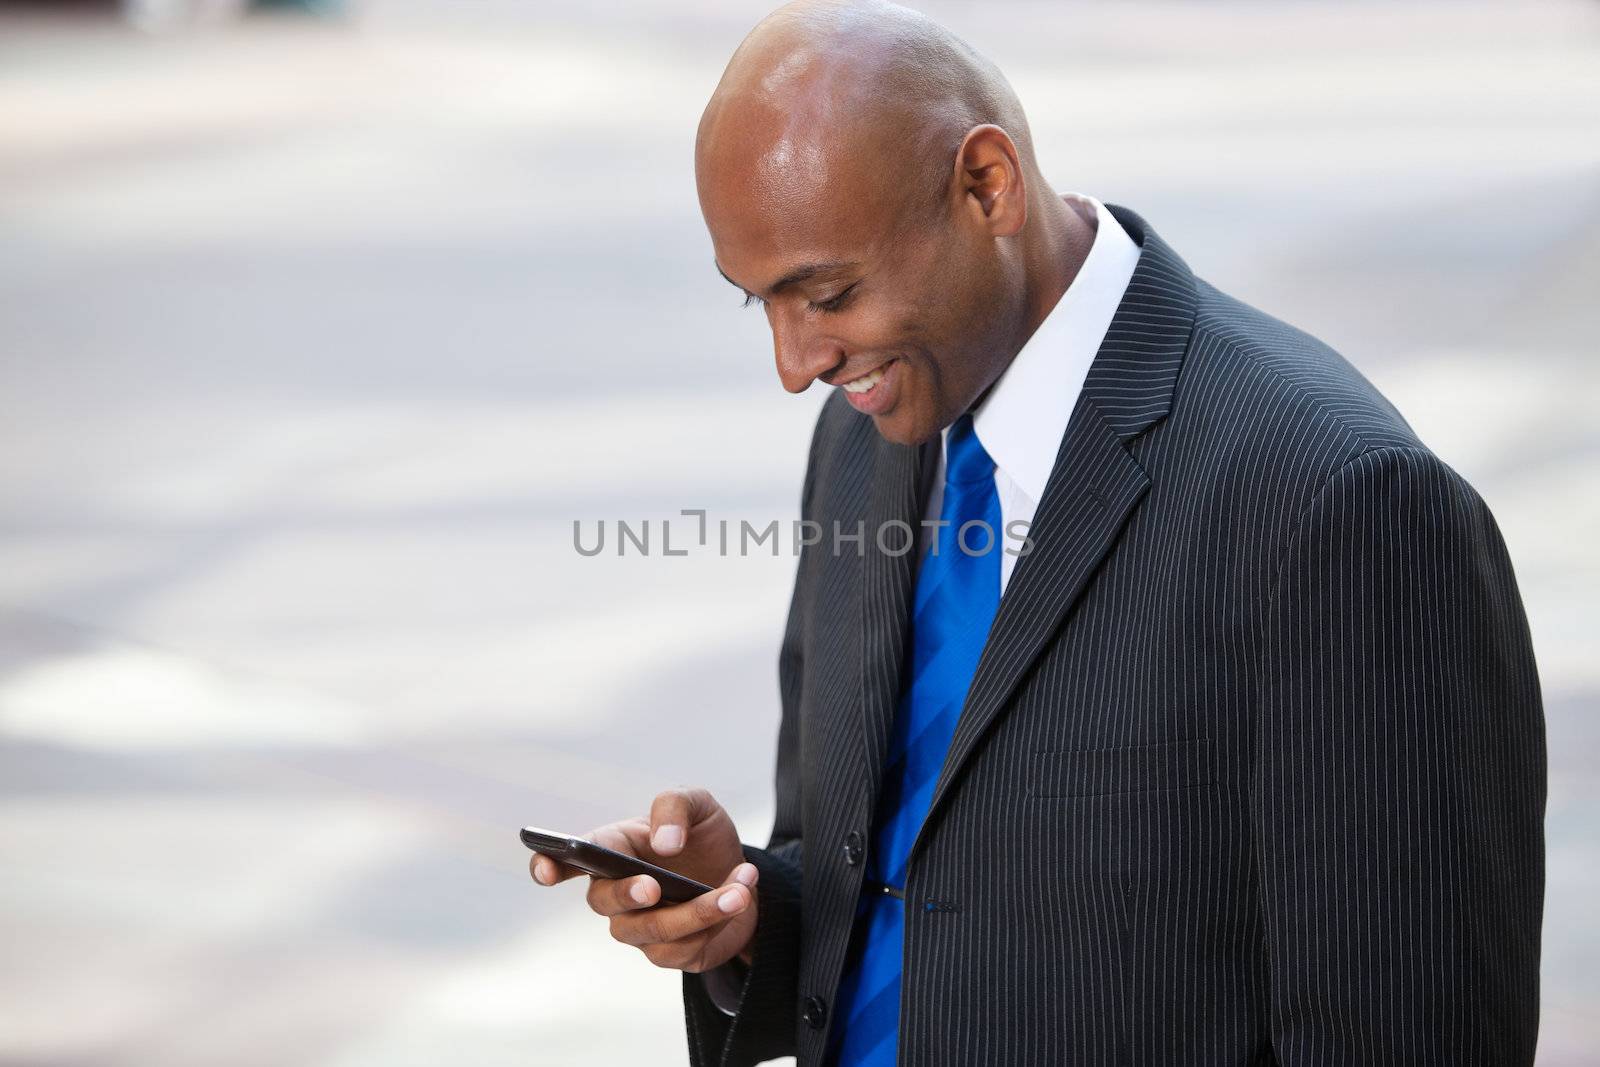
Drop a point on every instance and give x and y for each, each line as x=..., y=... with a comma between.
x=1022, y=420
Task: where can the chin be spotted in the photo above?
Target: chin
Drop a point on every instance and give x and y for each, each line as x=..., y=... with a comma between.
x=903, y=428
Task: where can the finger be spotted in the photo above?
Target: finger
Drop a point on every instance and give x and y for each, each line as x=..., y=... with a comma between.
x=612, y=896
x=683, y=954
x=635, y=839
x=615, y=837
x=671, y=815
x=547, y=871
x=676, y=921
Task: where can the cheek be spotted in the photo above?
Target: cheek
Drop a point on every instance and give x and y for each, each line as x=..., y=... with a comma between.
x=920, y=344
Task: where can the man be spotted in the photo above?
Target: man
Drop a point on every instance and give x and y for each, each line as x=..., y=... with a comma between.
x=1242, y=761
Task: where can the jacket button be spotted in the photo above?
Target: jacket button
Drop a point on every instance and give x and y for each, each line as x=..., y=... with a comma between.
x=815, y=1013
x=854, y=848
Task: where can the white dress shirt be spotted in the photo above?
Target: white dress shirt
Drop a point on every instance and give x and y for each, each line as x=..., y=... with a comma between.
x=1023, y=419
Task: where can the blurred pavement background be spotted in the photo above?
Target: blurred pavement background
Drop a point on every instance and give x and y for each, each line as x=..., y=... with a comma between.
x=318, y=335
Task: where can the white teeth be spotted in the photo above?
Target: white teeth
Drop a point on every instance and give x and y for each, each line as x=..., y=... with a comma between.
x=863, y=383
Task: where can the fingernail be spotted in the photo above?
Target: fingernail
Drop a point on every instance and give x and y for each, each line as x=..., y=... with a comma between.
x=538, y=873
x=668, y=837
x=747, y=874
x=731, y=901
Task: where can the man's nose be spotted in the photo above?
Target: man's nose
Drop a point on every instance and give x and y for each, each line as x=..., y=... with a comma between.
x=802, y=355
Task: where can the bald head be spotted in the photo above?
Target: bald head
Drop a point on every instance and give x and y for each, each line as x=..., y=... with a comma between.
x=819, y=83
x=868, y=180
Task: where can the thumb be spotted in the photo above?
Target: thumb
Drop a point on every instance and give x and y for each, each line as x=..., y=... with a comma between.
x=671, y=815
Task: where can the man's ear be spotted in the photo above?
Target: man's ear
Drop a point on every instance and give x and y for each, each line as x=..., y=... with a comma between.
x=990, y=177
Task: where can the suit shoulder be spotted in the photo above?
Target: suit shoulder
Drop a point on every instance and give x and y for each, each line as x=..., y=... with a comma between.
x=1400, y=473
x=1292, y=385
x=843, y=438
x=1265, y=418
x=840, y=455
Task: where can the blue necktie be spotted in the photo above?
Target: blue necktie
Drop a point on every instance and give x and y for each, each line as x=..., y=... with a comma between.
x=958, y=591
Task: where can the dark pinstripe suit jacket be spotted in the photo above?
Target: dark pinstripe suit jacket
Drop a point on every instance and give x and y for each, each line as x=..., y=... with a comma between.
x=1252, y=769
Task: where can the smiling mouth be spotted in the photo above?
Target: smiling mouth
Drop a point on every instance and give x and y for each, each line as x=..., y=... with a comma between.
x=865, y=383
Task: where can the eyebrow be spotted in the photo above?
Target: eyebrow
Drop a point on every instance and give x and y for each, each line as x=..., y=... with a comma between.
x=804, y=272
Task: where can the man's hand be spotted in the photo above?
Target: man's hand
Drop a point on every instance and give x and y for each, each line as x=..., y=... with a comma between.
x=689, y=833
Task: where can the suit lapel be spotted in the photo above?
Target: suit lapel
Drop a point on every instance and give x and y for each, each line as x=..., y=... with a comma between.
x=898, y=494
x=1094, y=487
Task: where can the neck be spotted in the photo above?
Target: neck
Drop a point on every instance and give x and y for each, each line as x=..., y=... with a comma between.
x=1059, y=238
x=1056, y=241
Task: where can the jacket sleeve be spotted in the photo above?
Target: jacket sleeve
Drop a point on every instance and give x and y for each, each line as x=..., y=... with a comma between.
x=762, y=1027
x=1398, y=791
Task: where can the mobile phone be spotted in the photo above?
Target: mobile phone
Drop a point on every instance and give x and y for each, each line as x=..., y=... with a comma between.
x=604, y=863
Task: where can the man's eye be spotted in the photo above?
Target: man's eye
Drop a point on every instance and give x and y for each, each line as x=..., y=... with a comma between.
x=832, y=303
x=751, y=298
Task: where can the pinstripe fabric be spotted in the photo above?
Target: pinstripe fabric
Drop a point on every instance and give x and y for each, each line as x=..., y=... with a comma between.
x=1252, y=769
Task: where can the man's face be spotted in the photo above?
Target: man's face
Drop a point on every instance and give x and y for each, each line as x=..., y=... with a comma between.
x=893, y=301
